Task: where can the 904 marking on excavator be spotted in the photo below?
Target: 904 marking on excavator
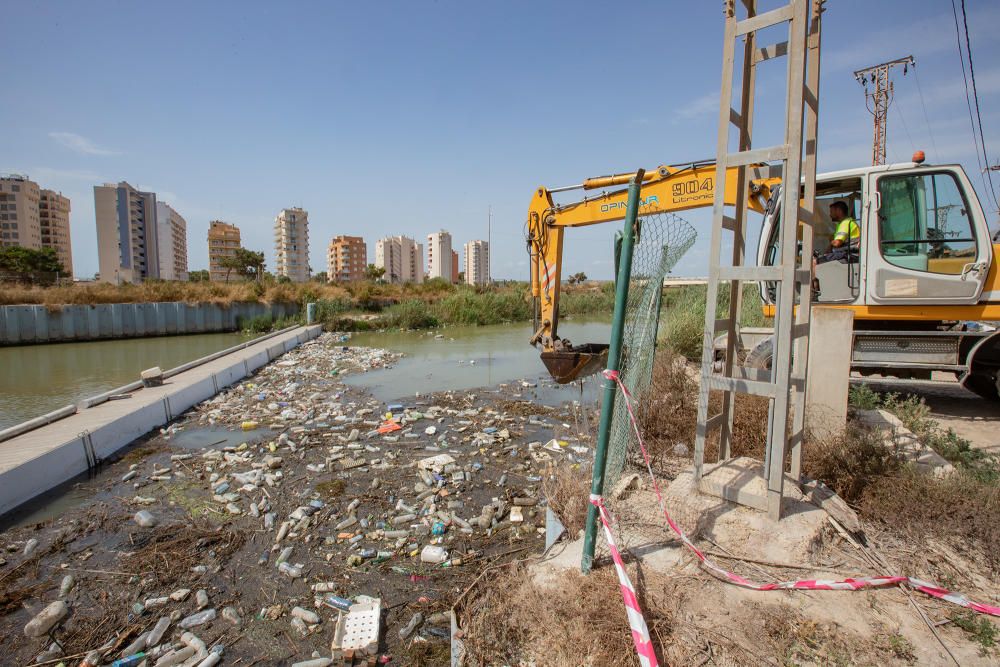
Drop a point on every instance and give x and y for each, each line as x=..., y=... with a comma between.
x=692, y=190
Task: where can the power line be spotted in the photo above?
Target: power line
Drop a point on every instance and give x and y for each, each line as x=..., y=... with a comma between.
x=975, y=96
x=913, y=146
x=968, y=103
x=920, y=91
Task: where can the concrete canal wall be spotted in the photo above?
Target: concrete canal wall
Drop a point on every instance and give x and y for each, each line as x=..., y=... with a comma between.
x=22, y=325
x=36, y=461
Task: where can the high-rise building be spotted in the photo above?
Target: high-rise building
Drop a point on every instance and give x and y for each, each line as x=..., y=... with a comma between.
x=291, y=244
x=53, y=219
x=454, y=267
x=19, y=223
x=127, y=245
x=346, y=258
x=35, y=218
x=402, y=259
x=439, y=255
x=223, y=241
x=171, y=232
x=477, y=263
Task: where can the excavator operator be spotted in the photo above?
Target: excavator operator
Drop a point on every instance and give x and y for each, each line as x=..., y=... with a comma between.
x=846, y=239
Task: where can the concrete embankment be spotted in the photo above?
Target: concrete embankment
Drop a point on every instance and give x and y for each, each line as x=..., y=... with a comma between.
x=38, y=460
x=22, y=325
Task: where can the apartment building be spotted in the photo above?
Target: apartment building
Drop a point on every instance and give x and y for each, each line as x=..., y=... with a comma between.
x=127, y=246
x=439, y=255
x=402, y=258
x=346, y=258
x=35, y=218
x=53, y=220
x=171, y=232
x=223, y=241
x=19, y=220
x=454, y=267
x=477, y=263
x=291, y=244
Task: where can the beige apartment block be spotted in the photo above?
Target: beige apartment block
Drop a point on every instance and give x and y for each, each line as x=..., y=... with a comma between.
x=402, y=258
x=477, y=263
x=291, y=244
x=223, y=241
x=53, y=217
x=346, y=258
x=171, y=230
x=19, y=220
x=127, y=247
x=439, y=255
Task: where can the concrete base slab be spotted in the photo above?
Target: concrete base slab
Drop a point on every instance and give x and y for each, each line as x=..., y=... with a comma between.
x=741, y=480
x=906, y=442
x=643, y=532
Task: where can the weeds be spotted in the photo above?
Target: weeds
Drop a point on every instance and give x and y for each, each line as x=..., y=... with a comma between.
x=851, y=462
x=567, y=490
x=979, y=628
x=684, y=316
x=915, y=415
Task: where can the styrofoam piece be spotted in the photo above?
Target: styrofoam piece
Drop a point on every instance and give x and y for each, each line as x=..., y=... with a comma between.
x=359, y=628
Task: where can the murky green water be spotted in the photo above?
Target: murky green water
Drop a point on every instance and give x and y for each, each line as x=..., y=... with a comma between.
x=35, y=379
x=468, y=357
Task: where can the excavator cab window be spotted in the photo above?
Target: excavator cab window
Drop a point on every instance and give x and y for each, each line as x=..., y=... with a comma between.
x=924, y=223
x=839, y=280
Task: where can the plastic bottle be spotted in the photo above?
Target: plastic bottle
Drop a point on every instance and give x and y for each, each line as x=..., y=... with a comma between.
x=433, y=554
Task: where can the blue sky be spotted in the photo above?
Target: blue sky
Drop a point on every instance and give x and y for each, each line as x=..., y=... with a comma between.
x=407, y=117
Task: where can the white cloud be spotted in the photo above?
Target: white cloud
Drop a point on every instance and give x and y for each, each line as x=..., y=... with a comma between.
x=46, y=174
x=80, y=144
x=699, y=106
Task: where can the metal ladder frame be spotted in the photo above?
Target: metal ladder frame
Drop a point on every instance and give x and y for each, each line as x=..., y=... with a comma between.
x=784, y=385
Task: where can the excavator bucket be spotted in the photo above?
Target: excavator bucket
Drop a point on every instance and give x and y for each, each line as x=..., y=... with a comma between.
x=582, y=360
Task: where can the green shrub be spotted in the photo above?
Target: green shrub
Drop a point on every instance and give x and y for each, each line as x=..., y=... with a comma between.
x=412, y=314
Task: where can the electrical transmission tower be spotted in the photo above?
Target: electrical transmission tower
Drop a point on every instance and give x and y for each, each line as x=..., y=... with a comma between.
x=879, y=99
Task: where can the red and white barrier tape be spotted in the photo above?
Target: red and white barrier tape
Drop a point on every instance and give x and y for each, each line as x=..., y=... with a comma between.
x=636, y=621
x=808, y=584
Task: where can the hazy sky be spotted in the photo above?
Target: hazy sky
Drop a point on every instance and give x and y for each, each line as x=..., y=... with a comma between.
x=406, y=117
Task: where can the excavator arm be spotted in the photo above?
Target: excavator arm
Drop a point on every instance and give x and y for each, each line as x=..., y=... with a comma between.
x=668, y=188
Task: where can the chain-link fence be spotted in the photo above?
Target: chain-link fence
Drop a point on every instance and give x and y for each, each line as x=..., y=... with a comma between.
x=661, y=240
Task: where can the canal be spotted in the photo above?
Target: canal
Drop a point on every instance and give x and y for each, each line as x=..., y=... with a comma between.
x=466, y=357
x=35, y=379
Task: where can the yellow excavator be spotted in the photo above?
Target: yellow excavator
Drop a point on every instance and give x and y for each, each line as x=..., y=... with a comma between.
x=921, y=280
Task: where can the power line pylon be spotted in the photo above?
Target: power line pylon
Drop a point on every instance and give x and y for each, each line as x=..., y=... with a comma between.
x=879, y=99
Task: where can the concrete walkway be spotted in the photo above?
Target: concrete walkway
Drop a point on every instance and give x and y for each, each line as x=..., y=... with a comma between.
x=39, y=460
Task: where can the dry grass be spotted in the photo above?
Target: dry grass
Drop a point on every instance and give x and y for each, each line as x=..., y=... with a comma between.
x=669, y=415
x=850, y=462
x=567, y=490
x=960, y=510
x=169, y=552
x=581, y=621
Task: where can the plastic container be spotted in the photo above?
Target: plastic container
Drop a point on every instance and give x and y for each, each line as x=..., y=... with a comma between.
x=432, y=553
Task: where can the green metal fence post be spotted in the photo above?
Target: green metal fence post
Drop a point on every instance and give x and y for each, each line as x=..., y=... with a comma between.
x=614, y=356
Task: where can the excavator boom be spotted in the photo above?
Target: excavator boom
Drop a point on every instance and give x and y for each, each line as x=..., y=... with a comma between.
x=666, y=189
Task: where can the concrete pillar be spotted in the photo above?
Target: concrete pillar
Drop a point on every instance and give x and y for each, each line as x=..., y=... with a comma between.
x=829, y=371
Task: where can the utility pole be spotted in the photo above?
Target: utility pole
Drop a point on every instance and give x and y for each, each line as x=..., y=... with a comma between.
x=879, y=99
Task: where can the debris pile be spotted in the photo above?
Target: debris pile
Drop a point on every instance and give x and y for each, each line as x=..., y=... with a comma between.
x=311, y=524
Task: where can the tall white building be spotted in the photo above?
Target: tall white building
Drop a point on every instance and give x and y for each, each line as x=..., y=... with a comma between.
x=439, y=264
x=402, y=258
x=477, y=263
x=291, y=244
x=171, y=232
x=127, y=244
